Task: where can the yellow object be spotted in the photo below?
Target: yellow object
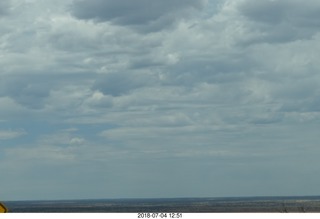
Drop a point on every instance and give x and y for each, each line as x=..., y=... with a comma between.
x=3, y=208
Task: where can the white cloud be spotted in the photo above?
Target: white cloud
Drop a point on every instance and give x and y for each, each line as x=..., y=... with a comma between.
x=11, y=134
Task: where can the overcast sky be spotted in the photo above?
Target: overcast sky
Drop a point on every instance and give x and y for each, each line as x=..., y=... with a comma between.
x=159, y=98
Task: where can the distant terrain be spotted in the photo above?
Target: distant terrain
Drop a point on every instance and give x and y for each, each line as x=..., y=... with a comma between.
x=186, y=205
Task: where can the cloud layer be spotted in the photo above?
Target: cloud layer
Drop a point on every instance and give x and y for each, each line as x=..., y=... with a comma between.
x=122, y=95
x=142, y=14
x=282, y=21
x=4, y=7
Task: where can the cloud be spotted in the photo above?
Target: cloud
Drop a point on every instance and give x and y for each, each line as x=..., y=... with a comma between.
x=10, y=134
x=30, y=92
x=269, y=11
x=281, y=21
x=11, y=108
x=120, y=83
x=142, y=15
x=228, y=90
x=4, y=7
x=276, y=11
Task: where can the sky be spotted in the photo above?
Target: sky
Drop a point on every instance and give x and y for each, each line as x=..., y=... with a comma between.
x=159, y=99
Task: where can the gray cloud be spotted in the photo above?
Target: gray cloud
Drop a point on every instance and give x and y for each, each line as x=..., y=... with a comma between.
x=29, y=92
x=210, y=69
x=228, y=93
x=120, y=83
x=272, y=12
x=282, y=21
x=276, y=11
x=4, y=7
x=34, y=90
x=145, y=15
